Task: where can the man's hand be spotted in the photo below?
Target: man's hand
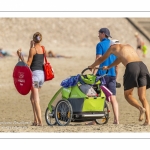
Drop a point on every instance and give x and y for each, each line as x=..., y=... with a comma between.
x=105, y=68
x=90, y=68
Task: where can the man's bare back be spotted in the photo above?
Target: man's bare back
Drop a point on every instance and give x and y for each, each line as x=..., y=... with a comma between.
x=124, y=52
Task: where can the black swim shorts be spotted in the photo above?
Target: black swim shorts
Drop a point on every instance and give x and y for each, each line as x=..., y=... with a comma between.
x=136, y=75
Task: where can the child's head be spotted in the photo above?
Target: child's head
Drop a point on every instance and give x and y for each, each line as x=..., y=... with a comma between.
x=37, y=37
x=136, y=34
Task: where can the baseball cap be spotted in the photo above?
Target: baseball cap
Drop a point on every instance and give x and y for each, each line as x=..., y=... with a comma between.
x=106, y=31
x=112, y=42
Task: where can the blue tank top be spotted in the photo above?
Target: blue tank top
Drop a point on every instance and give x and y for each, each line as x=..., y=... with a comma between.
x=101, y=49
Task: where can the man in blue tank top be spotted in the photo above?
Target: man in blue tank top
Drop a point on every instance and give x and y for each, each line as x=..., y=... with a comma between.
x=110, y=78
x=101, y=48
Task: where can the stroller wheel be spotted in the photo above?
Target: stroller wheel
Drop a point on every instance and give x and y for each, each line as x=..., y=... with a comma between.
x=63, y=112
x=104, y=119
x=49, y=117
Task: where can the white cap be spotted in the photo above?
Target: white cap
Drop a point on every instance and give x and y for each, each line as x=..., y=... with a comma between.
x=112, y=42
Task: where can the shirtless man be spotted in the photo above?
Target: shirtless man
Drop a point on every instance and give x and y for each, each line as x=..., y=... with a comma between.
x=136, y=75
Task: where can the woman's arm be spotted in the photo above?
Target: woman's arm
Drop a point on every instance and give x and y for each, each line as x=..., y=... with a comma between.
x=30, y=57
x=31, y=53
x=32, y=44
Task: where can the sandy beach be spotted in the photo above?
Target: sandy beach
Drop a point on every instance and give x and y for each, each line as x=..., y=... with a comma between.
x=16, y=110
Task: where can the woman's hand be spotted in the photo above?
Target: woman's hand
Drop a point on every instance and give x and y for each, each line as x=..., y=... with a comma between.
x=32, y=44
x=19, y=52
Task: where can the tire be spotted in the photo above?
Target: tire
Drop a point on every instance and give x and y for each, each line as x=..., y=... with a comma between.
x=49, y=117
x=104, y=119
x=63, y=113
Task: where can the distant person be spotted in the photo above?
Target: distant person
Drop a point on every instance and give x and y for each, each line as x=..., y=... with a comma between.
x=4, y=53
x=141, y=47
x=35, y=62
x=136, y=75
x=110, y=78
x=52, y=54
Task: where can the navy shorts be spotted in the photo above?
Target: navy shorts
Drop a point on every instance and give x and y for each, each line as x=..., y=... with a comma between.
x=110, y=83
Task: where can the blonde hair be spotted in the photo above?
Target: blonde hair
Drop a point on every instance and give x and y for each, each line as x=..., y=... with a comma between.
x=37, y=37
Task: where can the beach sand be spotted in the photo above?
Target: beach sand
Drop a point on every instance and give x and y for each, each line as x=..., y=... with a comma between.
x=16, y=111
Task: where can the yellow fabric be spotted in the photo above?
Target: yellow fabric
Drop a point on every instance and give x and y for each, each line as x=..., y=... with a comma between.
x=93, y=104
x=144, y=49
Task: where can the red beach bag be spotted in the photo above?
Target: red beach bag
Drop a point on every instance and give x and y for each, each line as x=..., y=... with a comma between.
x=48, y=70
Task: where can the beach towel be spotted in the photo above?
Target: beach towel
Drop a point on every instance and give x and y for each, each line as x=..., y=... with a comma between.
x=71, y=81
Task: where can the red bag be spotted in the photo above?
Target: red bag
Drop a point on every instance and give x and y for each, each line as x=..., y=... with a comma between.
x=48, y=70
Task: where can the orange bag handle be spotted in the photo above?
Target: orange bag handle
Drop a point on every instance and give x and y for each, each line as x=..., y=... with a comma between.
x=44, y=53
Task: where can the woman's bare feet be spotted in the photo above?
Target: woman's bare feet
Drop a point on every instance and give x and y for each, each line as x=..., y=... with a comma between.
x=146, y=123
x=142, y=112
x=40, y=124
x=34, y=123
